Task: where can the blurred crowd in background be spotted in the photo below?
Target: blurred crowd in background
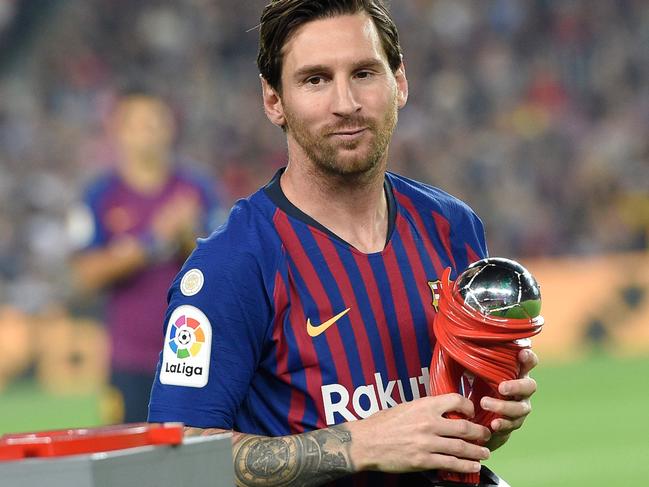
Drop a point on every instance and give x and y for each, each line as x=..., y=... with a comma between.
x=534, y=112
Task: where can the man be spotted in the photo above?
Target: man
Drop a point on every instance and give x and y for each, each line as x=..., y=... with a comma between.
x=312, y=323
x=138, y=223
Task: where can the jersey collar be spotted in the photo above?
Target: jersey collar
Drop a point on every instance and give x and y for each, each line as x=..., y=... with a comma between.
x=274, y=191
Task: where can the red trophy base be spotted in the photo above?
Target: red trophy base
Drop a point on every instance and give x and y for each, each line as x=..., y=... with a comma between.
x=487, y=479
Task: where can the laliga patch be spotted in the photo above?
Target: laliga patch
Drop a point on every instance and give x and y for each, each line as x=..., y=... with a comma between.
x=192, y=282
x=187, y=348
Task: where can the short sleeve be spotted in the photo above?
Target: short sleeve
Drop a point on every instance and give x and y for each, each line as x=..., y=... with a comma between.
x=211, y=192
x=215, y=327
x=85, y=227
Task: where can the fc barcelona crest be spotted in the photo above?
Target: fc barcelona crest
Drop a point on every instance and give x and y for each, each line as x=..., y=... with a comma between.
x=434, y=288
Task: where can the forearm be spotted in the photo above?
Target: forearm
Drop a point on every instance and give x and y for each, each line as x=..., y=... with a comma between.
x=99, y=268
x=308, y=459
x=410, y=437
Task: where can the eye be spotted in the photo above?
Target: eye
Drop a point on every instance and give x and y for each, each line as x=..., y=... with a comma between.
x=314, y=80
x=364, y=74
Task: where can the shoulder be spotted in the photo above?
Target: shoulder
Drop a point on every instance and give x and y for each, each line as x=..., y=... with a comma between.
x=197, y=179
x=249, y=224
x=443, y=215
x=191, y=175
x=425, y=198
x=85, y=218
x=247, y=239
x=100, y=186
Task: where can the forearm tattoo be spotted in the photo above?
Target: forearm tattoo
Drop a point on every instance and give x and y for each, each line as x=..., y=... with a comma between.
x=306, y=460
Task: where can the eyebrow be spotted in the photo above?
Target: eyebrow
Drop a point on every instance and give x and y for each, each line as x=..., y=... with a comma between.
x=320, y=68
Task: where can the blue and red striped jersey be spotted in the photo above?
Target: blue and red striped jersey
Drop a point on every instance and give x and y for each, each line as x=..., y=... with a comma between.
x=277, y=326
x=135, y=305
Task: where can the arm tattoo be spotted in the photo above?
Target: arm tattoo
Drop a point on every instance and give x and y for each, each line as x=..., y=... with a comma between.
x=306, y=460
x=191, y=431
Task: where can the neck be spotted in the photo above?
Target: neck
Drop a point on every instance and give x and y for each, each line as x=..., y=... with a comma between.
x=144, y=174
x=354, y=207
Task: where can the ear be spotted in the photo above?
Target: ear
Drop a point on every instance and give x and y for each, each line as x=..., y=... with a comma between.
x=402, y=85
x=272, y=104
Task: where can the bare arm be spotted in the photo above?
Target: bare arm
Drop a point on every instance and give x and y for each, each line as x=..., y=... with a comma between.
x=173, y=233
x=308, y=459
x=410, y=437
x=97, y=268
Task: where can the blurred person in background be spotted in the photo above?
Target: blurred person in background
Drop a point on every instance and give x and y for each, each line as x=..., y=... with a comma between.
x=137, y=224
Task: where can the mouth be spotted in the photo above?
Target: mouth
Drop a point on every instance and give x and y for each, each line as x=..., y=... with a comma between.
x=349, y=133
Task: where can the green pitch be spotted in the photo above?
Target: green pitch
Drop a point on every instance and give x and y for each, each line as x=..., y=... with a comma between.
x=24, y=407
x=589, y=427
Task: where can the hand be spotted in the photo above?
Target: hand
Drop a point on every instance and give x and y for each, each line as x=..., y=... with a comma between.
x=517, y=406
x=415, y=436
x=176, y=218
x=126, y=248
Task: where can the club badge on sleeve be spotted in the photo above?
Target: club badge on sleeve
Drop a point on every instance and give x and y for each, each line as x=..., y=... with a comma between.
x=192, y=282
x=188, y=343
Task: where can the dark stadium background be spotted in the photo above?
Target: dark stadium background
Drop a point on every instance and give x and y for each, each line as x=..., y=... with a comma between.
x=534, y=112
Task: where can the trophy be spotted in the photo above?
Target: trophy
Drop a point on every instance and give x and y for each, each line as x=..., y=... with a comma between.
x=485, y=318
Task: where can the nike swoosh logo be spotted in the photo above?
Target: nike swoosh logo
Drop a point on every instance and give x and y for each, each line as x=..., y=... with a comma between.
x=314, y=331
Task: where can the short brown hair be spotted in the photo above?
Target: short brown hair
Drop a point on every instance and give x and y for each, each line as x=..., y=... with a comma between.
x=281, y=18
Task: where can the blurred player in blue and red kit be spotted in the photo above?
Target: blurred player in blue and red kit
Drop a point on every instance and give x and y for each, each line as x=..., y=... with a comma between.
x=138, y=223
x=304, y=323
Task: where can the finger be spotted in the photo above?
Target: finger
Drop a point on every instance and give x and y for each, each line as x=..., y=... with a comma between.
x=452, y=464
x=512, y=410
x=453, y=403
x=462, y=428
x=522, y=388
x=528, y=360
x=460, y=448
x=505, y=426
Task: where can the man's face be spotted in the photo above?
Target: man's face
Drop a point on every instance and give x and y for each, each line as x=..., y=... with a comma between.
x=144, y=125
x=339, y=96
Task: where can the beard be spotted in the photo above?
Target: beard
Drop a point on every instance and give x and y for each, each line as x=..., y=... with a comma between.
x=334, y=157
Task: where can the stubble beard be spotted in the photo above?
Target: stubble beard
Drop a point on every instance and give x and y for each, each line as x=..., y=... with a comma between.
x=328, y=156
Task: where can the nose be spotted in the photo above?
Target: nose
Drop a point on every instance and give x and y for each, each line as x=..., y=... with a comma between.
x=345, y=102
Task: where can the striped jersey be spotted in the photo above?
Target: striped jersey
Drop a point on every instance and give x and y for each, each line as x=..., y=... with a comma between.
x=277, y=326
x=112, y=210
